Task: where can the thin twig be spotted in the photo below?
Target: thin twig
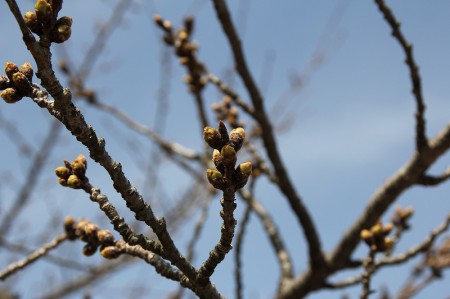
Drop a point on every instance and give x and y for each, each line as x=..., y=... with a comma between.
x=16, y=266
x=428, y=180
x=421, y=138
x=238, y=252
x=315, y=251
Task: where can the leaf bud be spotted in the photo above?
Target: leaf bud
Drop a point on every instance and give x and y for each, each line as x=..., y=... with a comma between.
x=212, y=137
x=229, y=155
x=10, y=69
x=110, y=252
x=63, y=172
x=366, y=236
x=69, y=227
x=237, y=137
x=74, y=182
x=10, y=95
x=27, y=70
x=215, y=178
x=223, y=133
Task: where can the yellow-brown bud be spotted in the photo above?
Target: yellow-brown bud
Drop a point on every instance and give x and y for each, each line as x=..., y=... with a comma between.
x=74, y=182
x=43, y=10
x=33, y=23
x=237, y=137
x=218, y=161
x=78, y=168
x=215, y=178
x=63, y=172
x=229, y=155
x=212, y=137
x=89, y=249
x=110, y=252
x=69, y=227
x=10, y=69
x=21, y=82
x=62, y=33
x=105, y=237
x=242, y=173
x=10, y=95
x=27, y=70
x=65, y=20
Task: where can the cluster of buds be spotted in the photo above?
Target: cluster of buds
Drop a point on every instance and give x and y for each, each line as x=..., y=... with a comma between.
x=94, y=237
x=185, y=49
x=224, y=157
x=376, y=237
x=439, y=258
x=73, y=175
x=226, y=112
x=401, y=217
x=17, y=82
x=44, y=21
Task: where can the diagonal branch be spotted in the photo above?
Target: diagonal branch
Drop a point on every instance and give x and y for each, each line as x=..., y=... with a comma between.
x=285, y=184
x=421, y=138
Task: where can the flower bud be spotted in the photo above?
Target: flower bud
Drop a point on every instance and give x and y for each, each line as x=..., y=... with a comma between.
x=218, y=161
x=82, y=159
x=387, y=228
x=4, y=82
x=61, y=34
x=10, y=95
x=91, y=229
x=105, y=237
x=215, y=178
x=377, y=230
x=229, y=155
x=64, y=21
x=110, y=252
x=212, y=137
x=241, y=174
x=388, y=244
x=33, y=23
x=89, y=249
x=69, y=227
x=366, y=236
x=10, y=69
x=74, y=182
x=63, y=172
x=62, y=182
x=78, y=168
x=21, y=82
x=27, y=70
x=43, y=10
x=237, y=137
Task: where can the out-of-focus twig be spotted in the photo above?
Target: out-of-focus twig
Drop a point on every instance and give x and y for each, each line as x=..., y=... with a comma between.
x=16, y=266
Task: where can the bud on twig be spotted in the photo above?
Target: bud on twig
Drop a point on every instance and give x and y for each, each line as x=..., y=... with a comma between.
x=10, y=95
x=62, y=172
x=212, y=137
x=218, y=161
x=74, y=182
x=43, y=10
x=215, y=178
x=10, y=69
x=229, y=155
x=21, y=82
x=242, y=173
x=110, y=252
x=237, y=137
x=27, y=70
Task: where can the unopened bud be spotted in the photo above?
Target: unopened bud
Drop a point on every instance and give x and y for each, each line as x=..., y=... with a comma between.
x=10, y=69
x=110, y=252
x=215, y=178
x=89, y=249
x=212, y=137
x=237, y=137
x=64, y=21
x=366, y=235
x=218, y=161
x=74, y=182
x=69, y=227
x=21, y=82
x=27, y=70
x=105, y=237
x=33, y=23
x=242, y=173
x=78, y=168
x=43, y=10
x=223, y=133
x=229, y=155
x=10, y=95
x=63, y=172
x=62, y=34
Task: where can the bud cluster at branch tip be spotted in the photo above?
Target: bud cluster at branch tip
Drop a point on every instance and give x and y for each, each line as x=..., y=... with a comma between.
x=224, y=157
x=226, y=112
x=73, y=175
x=17, y=82
x=376, y=237
x=44, y=21
x=94, y=237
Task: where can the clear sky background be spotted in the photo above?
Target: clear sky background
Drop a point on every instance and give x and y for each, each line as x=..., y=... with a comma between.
x=352, y=122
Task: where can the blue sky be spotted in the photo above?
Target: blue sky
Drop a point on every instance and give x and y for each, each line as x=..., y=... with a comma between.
x=353, y=119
